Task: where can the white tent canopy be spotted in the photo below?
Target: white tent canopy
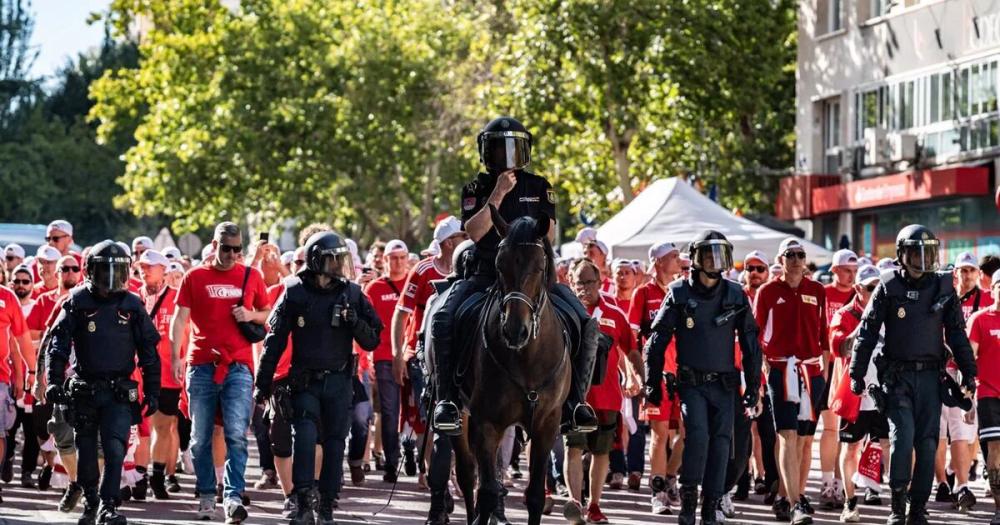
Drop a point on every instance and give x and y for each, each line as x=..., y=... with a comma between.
x=671, y=210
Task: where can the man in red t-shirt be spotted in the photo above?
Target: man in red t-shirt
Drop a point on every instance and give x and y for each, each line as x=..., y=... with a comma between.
x=838, y=294
x=45, y=267
x=646, y=301
x=68, y=276
x=606, y=398
x=624, y=274
x=214, y=298
x=384, y=294
x=984, y=334
x=791, y=312
x=13, y=329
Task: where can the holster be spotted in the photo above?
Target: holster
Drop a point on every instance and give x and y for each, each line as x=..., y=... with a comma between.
x=690, y=377
x=80, y=412
x=879, y=397
x=281, y=400
x=298, y=380
x=127, y=391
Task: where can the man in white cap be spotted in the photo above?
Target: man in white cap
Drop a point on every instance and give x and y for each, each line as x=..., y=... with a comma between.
x=756, y=271
x=838, y=293
x=141, y=244
x=586, y=235
x=59, y=235
x=384, y=294
x=45, y=266
x=624, y=273
x=597, y=252
x=13, y=255
x=172, y=254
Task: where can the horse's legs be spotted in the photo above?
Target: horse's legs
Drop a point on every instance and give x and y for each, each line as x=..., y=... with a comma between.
x=485, y=441
x=465, y=471
x=542, y=438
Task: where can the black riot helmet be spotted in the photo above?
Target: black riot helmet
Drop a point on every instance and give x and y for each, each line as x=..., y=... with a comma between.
x=711, y=253
x=504, y=144
x=108, y=268
x=327, y=254
x=917, y=248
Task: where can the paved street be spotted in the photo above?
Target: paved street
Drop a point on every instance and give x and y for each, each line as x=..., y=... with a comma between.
x=365, y=505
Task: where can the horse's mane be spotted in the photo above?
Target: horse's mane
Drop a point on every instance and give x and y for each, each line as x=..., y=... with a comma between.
x=525, y=230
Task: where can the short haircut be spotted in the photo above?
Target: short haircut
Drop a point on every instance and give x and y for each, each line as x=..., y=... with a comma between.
x=579, y=264
x=989, y=264
x=226, y=229
x=312, y=229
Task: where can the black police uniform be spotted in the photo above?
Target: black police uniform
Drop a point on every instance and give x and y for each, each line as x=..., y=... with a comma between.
x=322, y=368
x=914, y=314
x=106, y=334
x=704, y=321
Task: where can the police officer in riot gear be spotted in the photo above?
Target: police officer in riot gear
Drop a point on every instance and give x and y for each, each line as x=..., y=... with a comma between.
x=505, y=151
x=705, y=313
x=108, y=328
x=325, y=313
x=916, y=305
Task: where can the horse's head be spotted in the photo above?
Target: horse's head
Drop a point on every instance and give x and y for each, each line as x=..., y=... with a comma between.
x=525, y=273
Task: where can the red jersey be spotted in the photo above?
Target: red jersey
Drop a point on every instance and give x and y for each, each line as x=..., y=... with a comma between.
x=835, y=300
x=844, y=322
x=984, y=330
x=40, y=313
x=161, y=320
x=384, y=296
x=211, y=295
x=40, y=290
x=285, y=363
x=12, y=324
x=612, y=321
x=792, y=320
x=417, y=291
x=646, y=302
x=974, y=301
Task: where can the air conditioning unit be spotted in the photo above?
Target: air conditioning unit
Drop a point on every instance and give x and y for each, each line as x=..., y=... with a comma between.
x=903, y=146
x=877, y=148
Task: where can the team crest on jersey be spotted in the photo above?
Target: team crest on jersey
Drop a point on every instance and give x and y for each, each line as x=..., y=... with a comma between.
x=995, y=333
x=390, y=297
x=469, y=203
x=223, y=291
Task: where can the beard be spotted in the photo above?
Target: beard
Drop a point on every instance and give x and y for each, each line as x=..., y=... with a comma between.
x=22, y=293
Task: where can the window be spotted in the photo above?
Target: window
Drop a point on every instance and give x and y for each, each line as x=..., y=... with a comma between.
x=829, y=16
x=835, y=22
x=877, y=8
x=831, y=135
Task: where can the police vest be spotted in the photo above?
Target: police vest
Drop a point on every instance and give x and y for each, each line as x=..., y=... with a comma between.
x=707, y=325
x=316, y=343
x=914, y=318
x=104, y=334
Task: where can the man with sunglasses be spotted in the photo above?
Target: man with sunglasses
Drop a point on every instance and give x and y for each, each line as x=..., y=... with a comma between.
x=214, y=298
x=921, y=313
x=46, y=278
x=791, y=312
x=20, y=282
x=13, y=255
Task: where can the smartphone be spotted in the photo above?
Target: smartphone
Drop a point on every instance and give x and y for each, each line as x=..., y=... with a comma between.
x=264, y=236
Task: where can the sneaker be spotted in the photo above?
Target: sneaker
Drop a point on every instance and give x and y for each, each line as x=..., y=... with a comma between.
x=965, y=500
x=617, y=481
x=267, y=481
x=515, y=471
x=390, y=476
x=800, y=515
x=742, y=493
x=206, y=507
x=827, y=499
x=727, y=507
x=943, y=493
x=561, y=489
x=173, y=485
x=872, y=498
x=660, y=504
x=70, y=497
x=759, y=487
x=838, y=493
x=45, y=478
x=290, y=507
x=26, y=480
x=235, y=511
x=851, y=514
x=357, y=476
x=140, y=488
x=573, y=512
x=673, y=494
x=379, y=462
x=806, y=505
x=108, y=514
x=782, y=509
x=634, y=481
x=409, y=461
x=594, y=514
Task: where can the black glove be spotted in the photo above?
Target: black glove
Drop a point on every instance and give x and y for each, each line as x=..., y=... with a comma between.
x=152, y=404
x=857, y=386
x=751, y=397
x=262, y=393
x=350, y=317
x=969, y=384
x=654, y=394
x=55, y=395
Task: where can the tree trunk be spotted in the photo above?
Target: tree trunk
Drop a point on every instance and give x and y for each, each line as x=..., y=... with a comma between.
x=619, y=147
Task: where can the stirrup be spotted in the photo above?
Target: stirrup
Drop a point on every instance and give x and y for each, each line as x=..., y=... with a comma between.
x=452, y=428
x=582, y=429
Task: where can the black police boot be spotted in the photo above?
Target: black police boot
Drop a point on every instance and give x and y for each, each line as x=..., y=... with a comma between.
x=446, y=419
x=304, y=512
x=897, y=515
x=917, y=514
x=324, y=512
x=90, y=505
x=500, y=512
x=71, y=497
x=108, y=515
x=689, y=505
x=438, y=515
x=578, y=416
x=708, y=511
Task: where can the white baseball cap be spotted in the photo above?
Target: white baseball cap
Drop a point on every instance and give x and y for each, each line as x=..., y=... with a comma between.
x=24, y=268
x=996, y=278
x=171, y=253
x=434, y=248
x=287, y=257
x=14, y=249
x=843, y=258
x=776, y=269
x=446, y=228
x=966, y=259
x=60, y=225
x=600, y=245
x=145, y=242
x=207, y=252
x=660, y=250
x=175, y=267
x=790, y=242
x=759, y=255
x=395, y=245
x=865, y=260
x=586, y=235
x=47, y=253
x=128, y=251
x=886, y=263
x=153, y=258
x=867, y=274
x=618, y=263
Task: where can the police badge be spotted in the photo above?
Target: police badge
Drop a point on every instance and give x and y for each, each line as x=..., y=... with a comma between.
x=301, y=322
x=901, y=313
x=690, y=323
x=91, y=327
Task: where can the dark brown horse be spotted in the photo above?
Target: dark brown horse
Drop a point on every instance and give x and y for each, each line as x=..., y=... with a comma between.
x=519, y=370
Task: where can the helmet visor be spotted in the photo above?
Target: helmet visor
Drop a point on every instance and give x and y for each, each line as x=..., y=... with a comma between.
x=110, y=274
x=337, y=264
x=714, y=258
x=921, y=256
x=508, y=150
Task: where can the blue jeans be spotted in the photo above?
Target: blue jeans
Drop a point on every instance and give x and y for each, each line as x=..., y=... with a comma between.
x=235, y=398
x=361, y=418
x=327, y=404
x=388, y=398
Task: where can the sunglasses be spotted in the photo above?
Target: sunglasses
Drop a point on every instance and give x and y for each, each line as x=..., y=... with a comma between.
x=225, y=248
x=69, y=269
x=22, y=282
x=299, y=262
x=794, y=254
x=12, y=257
x=871, y=287
x=55, y=238
x=757, y=269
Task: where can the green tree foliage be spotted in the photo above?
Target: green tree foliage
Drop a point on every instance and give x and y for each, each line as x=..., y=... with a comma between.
x=16, y=58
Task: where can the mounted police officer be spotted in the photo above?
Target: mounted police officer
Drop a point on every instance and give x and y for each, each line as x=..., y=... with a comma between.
x=505, y=151
x=325, y=313
x=705, y=313
x=916, y=306
x=108, y=328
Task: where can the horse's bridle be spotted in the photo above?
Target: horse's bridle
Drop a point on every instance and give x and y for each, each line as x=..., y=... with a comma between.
x=536, y=306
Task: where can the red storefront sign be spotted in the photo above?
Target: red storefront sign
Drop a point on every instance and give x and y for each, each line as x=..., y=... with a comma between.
x=902, y=188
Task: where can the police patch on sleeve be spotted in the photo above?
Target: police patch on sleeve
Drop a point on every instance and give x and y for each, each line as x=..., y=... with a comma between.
x=469, y=203
x=551, y=196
